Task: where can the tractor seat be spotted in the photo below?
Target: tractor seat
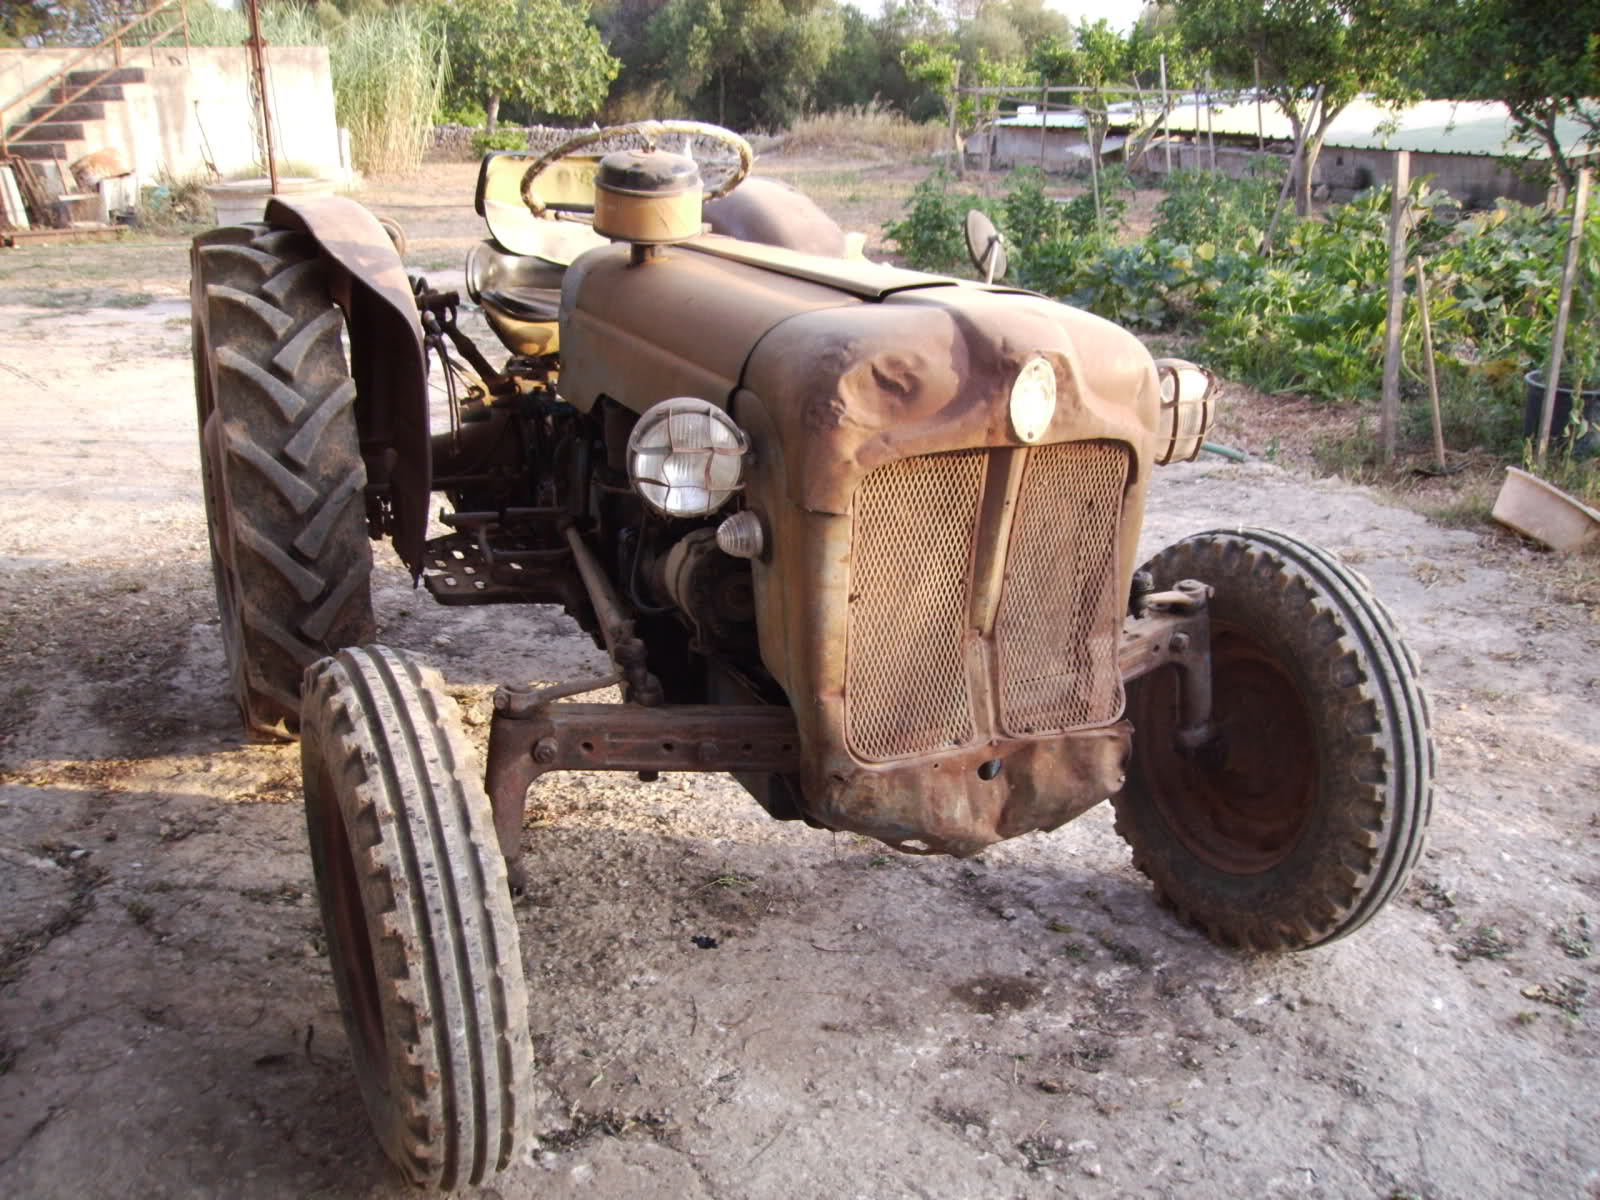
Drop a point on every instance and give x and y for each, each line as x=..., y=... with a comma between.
x=525, y=303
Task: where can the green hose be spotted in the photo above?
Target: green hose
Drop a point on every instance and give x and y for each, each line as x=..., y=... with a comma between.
x=1227, y=452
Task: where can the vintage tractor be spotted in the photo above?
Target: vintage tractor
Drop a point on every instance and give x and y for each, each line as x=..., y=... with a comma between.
x=864, y=538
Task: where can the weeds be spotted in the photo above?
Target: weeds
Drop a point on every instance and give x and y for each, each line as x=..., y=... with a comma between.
x=1566, y=993
x=1484, y=942
x=1575, y=940
x=728, y=878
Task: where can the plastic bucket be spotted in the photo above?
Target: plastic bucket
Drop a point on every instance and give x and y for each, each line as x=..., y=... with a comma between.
x=240, y=200
x=1589, y=444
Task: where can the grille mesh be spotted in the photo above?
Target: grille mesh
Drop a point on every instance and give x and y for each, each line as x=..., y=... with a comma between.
x=905, y=686
x=1058, y=624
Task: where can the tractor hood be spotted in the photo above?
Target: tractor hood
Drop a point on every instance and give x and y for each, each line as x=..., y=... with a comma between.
x=685, y=323
x=850, y=364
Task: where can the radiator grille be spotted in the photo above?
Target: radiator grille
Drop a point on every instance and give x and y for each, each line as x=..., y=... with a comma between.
x=1058, y=624
x=913, y=525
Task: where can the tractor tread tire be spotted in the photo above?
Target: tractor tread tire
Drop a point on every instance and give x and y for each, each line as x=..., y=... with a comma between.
x=383, y=756
x=294, y=564
x=1373, y=793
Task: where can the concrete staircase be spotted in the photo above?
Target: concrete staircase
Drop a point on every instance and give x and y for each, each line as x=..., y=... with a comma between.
x=73, y=130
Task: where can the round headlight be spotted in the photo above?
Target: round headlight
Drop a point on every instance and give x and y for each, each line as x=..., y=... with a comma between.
x=686, y=457
x=1033, y=399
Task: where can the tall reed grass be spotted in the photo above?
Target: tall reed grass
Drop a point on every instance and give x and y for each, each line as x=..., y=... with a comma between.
x=388, y=71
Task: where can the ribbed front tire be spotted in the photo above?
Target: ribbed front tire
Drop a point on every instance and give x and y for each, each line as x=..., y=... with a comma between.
x=421, y=936
x=1306, y=813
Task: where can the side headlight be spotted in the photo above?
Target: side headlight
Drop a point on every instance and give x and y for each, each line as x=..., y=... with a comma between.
x=1187, y=410
x=1033, y=399
x=686, y=457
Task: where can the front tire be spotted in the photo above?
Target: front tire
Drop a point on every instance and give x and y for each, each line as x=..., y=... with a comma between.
x=1306, y=812
x=280, y=464
x=421, y=936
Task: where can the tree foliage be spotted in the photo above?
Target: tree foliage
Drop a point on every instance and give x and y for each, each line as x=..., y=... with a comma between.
x=1343, y=47
x=544, y=53
x=1541, y=58
x=749, y=62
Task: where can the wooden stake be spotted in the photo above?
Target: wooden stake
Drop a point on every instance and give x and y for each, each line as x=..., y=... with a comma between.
x=1166, y=116
x=1558, y=344
x=1044, y=121
x=1433, y=371
x=1211, y=141
x=1389, y=411
x=955, y=137
x=1261, y=133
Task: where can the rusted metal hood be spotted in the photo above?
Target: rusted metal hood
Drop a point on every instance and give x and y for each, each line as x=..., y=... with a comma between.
x=930, y=369
x=682, y=324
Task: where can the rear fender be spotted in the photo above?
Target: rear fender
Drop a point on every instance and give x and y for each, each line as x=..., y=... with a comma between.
x=368, y=281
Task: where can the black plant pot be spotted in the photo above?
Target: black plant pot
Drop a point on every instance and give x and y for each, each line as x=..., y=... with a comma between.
x=1585, y=447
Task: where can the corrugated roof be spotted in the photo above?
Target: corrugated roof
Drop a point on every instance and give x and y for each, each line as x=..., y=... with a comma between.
x=1431, y=127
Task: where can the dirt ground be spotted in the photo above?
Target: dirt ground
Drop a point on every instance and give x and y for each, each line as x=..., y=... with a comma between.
x=865, y=1024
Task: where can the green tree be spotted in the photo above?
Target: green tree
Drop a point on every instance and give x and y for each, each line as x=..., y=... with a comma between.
x=542, y=52
x=1344, y=47
x=748, y=62
x=1541, y=58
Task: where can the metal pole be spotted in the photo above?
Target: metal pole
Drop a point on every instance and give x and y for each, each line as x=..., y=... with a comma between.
x=1558, y=345
x=258, y=65
x=1166, y=116
x=1389, y=412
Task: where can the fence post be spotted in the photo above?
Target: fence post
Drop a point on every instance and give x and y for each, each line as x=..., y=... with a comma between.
x=1400, y=202
x=1428, y=361
x=1261, y=133
x=955, y=137
x=1211, y=141
x=1166, y=117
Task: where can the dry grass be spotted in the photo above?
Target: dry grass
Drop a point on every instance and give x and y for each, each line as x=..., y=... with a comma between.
x=868, y=129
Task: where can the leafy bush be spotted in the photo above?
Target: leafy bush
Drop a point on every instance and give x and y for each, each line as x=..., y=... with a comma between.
x=500, y=139
x=1312, y=318
x=1208, y=206
x=931, y=236
x=469, y=113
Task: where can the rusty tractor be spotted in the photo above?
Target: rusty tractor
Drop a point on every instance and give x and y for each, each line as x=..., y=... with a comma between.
x=862, y=537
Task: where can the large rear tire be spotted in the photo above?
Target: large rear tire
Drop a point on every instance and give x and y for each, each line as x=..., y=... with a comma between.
x=280, y=463
x=421, y=936
x=1305, y=814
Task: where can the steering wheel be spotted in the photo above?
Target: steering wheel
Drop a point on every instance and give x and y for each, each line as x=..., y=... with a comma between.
x=649, y=132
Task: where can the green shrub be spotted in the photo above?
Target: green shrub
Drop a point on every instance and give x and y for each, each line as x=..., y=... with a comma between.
x=469, y=113
x=500, y=139
x=931, y=236
x=1207, y=206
